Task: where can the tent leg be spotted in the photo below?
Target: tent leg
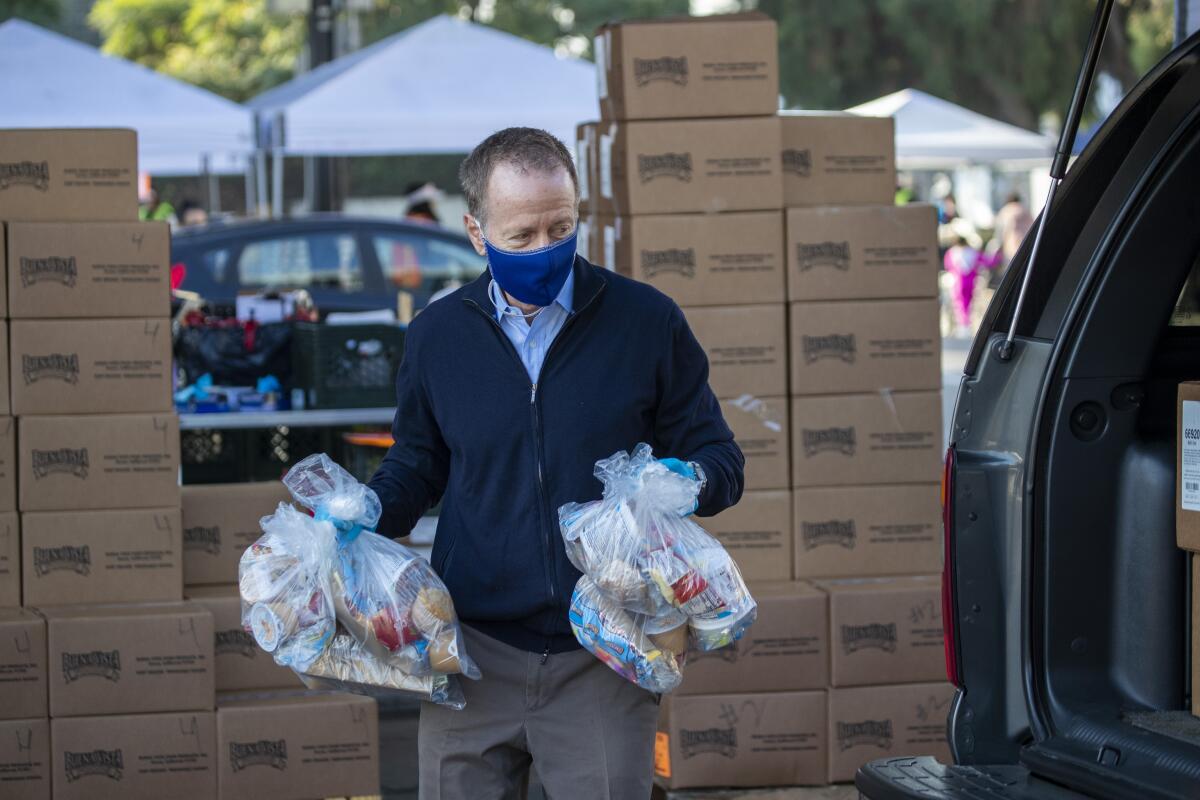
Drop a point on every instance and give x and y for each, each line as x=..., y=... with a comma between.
x=277, y=183
x=260, y=199
x=251, y=194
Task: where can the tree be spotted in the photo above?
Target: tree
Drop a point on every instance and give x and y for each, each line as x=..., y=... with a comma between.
x=40, y=12
x=232, y=47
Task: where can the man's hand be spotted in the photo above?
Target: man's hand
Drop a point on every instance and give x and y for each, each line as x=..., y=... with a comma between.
x=689, y=470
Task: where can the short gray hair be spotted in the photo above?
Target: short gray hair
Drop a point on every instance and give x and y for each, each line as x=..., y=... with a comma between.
x=528, y=149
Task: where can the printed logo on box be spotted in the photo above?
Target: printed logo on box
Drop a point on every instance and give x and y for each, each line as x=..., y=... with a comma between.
x=263, y=753
x=722, y=741
x=829, y=440
x=823, y=254
x=64, y=460
x=798, y=162
x=51, y=269
x=673, y=259
x=665, y=68
x=66, y=557
x=843, y=532
x=872, y=732
x=94, y=664
x=836, y=346
x=25, y=173
x=235, y=642
x=872, y=636
x=109, y=763
x=203, y=538
x=665, y=165
x=53, y=366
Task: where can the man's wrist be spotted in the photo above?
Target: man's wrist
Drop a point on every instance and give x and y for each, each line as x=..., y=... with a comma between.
x=701, y=475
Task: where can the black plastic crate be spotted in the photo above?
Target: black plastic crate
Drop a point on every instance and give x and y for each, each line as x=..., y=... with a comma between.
x=273, y=451
x=213, y=455
x=346, y=366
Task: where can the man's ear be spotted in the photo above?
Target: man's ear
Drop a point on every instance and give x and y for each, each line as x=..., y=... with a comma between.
x=475, y=234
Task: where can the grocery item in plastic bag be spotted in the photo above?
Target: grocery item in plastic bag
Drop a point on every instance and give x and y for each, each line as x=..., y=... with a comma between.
x=617, y=637
x=338, y=603
x=639, y=554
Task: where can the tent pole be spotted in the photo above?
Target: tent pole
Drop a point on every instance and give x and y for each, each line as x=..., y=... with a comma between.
x=251, y=195
x=277, y=168
x=260, y=180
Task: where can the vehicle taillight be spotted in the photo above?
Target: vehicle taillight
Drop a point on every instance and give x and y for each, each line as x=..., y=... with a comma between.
x=949, y=622
x=178, y=274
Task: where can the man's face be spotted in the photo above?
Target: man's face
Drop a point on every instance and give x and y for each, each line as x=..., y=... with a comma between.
x=526, y=210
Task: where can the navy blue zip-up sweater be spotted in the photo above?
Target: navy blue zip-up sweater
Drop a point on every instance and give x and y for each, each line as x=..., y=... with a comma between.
x=503, y=454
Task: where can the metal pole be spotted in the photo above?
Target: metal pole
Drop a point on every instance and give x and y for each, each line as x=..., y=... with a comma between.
x=260, y=180
x=277, y=168
x=214, y=189
x=251, y=194
x=321, y=49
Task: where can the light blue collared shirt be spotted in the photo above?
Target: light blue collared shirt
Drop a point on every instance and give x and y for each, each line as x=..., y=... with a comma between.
x=532, y=339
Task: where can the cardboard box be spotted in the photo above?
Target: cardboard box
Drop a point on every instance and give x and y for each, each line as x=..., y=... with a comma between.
x=585, y=165
x=863, y=253
x=687, y=166
x=1187, y=467
x=322, y=745
x=886, y=722
x=757, y=532
x=837, y=159
x=240, y=663
x=102, y=556
x=68, y=175
x=856, y=439
x=25, y=759
x=5, y=404
x=885, y=630
x=97, y=462
x=702, y=259
x=136, y=757
x=8, y=464
x=746, y=348
x=91, y=366
x=133, y=659
x=760, y=428
x=867, y=531
x=23, y=664
x=786, y=649
x=219, y=522
x=844, y=347
x=10, y=559
x=777, y=739
x=1196, y=635
x=89, y=270
x=718, y=66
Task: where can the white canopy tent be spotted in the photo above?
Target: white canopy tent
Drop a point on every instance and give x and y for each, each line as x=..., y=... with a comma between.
x=932, y=133
x=983, y=155
x=50, y=81
x=438, y=87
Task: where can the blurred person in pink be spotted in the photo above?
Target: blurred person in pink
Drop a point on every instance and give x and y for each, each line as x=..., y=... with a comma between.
x=965, y=263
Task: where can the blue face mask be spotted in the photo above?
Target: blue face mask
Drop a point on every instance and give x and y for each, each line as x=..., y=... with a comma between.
x=532, y=276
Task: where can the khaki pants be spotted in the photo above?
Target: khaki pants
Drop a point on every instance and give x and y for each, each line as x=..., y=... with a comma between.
x=587, y=732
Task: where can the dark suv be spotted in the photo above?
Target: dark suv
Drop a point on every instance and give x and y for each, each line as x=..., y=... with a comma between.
x=345, y=263
x=1066, y=601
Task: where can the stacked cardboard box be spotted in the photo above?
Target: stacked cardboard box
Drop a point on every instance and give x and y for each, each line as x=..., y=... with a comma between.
x=1187, y=509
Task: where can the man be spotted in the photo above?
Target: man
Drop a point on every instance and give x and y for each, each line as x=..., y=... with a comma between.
x=510, y=390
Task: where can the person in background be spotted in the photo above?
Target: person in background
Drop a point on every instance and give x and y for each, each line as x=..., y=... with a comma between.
x=192, y=213
x=1013, y=222
x=420, y=198
x=964, y=262
x=509, y=391
x=947, y=210
x=155, y=209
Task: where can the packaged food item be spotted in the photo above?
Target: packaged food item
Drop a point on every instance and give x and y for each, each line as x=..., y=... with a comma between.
x=655, y=583
x=343, y=606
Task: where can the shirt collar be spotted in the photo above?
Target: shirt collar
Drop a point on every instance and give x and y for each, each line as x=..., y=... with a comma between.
x=565, y=297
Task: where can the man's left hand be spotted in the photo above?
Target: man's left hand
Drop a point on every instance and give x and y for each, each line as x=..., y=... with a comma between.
x=688, y=470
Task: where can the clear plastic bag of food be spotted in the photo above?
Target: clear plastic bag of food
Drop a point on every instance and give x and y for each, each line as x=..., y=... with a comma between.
x=337, y=602
x=619, y=638
x=643, y=556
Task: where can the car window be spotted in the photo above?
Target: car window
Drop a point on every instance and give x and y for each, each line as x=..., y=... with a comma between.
x=411, y=261
x=214, y=262
x=1187, y=307
x=303, y=261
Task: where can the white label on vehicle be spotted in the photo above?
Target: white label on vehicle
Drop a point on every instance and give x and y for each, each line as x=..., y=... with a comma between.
x=610, y=247
x=606, y=179
x=598, y=44
x=1190, y=455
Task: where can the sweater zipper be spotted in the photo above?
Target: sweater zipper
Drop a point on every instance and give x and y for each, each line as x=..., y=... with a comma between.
x=551, y=567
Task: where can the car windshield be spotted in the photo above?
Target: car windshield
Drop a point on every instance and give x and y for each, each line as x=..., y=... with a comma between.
x=413, y=261
x=312, y=260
